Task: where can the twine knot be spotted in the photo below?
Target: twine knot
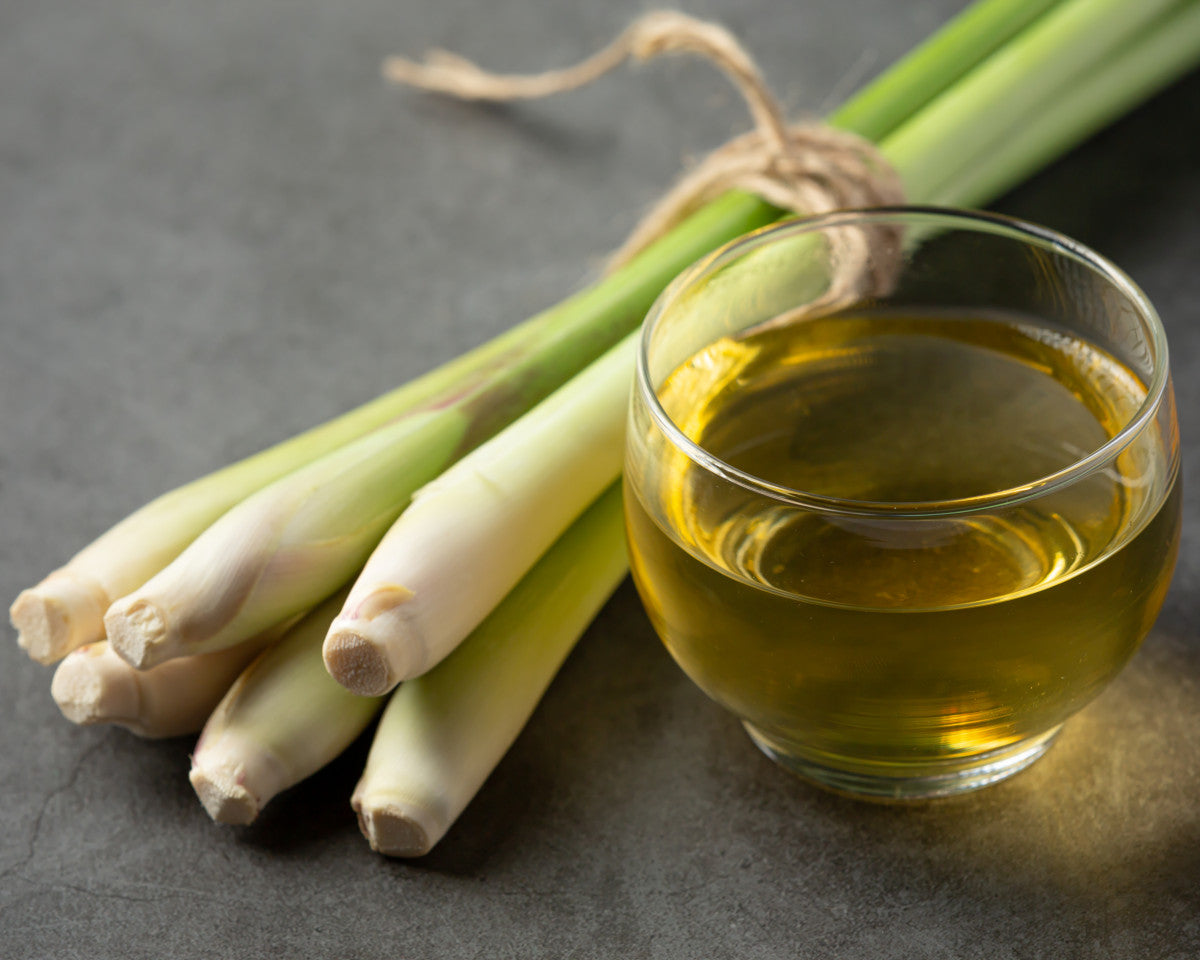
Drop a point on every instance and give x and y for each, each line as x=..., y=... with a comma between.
x=803, y=167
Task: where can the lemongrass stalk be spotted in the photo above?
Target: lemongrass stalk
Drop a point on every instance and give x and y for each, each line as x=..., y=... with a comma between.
x=281, y=721
x=470, y=535
x=66, y=609
x=503, y=377
x=991, y=103
x=442, y=734
x=934, y=66
x=284, y=548
x=1155, y=59
x=93, y=685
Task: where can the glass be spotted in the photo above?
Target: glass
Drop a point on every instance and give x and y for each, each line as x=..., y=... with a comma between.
x=902, y=490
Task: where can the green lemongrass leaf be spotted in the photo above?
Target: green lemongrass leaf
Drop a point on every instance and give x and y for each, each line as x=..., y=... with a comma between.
x=1157, y=57
x=934, y=66
x=989, y=105
x=470, y=535
x=281, y=721
x=443, y=733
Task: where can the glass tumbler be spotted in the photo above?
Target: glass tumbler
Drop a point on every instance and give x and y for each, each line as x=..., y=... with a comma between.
x=902, y=490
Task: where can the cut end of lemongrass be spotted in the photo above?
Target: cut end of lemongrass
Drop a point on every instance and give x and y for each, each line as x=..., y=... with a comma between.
x=358, y=663
x=57, y=616
x=393, y=829
x=89, y=688
x=235, y=776
x=137, y=631
x=225, y=799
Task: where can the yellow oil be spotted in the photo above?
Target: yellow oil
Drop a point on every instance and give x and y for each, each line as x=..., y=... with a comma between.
x=876, y=637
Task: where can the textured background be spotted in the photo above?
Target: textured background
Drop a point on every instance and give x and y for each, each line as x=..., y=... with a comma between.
x=217, y=227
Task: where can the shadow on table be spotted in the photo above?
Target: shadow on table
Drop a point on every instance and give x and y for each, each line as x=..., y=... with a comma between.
x=576, y=143
x=1097, y=844
x=314, y=812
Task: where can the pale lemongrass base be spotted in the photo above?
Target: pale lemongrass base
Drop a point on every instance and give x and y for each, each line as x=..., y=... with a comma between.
x=890, y=782
x=94, y=685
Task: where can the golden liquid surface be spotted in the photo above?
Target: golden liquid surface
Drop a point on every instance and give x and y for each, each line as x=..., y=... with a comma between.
x=874, y=638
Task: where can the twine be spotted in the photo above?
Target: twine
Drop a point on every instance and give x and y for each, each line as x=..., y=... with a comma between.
x=803, y=167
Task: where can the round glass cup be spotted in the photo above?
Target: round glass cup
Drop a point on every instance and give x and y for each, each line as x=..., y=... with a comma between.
x=902, y=490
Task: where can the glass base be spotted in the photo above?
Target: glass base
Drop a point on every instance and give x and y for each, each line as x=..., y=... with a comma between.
x=890, y=782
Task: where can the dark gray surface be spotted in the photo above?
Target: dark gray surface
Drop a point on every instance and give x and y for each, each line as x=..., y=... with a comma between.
x=217, y=227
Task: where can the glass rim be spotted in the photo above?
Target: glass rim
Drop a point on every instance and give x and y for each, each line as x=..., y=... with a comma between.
x=994, y=223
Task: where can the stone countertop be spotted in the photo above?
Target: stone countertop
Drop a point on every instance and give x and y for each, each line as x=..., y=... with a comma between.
x=218, y=227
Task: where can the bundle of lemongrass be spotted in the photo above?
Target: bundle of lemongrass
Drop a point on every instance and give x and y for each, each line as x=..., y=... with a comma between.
x=209, y=606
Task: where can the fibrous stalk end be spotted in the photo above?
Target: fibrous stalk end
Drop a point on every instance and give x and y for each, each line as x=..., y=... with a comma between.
x=392, y=830
x=357, y=663
x=224, y=798
x=137, y=631
x=58, y=615
x=90, y=688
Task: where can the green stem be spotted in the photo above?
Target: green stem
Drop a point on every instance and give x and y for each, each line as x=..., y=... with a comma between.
x=991, y=104
x=1163, y=53
x=936, y=65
